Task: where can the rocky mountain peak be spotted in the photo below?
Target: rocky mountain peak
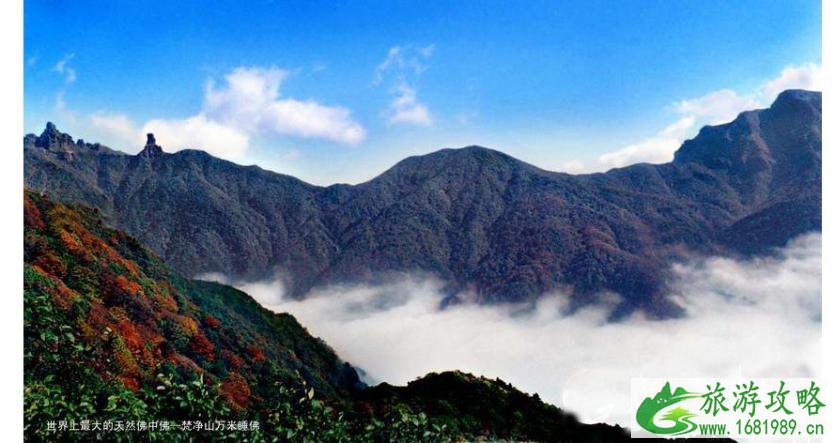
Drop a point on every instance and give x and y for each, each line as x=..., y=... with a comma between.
x=151, y=148
x=797, y=97
x=741, y=144
x=54, y=140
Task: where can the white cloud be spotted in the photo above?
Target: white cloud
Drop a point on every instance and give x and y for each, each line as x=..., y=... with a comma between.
x=310, y=119
x=242, y=101
x=713, y=108
x=405, y=108
x=116, y=129
x=657, y=149
x=745, y=318
x=404, y=64
x=808, y=76
x=64, y=112
x=198, y=132
x=60, y=104
x=393, y=58
x=247, y=104
x=62, y=67
x=716, y=107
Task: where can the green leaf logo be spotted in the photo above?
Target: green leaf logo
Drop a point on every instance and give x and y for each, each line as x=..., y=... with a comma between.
x=681, y=418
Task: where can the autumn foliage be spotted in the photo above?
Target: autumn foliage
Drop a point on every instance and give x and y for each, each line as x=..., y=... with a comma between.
x=133, y=320
x=236, y=390
x=256, y=354
x=211, y=321
x=106, y=319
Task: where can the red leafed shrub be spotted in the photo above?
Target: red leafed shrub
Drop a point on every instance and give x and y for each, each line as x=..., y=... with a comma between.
x=166, y=302
x=31, y=214
x=128, y=286
x=211, y=321
x=97, y=317
x=105, y=250
x=130, y=335
x=256, y=353
x=203, y=346
x=51, y=264
x=74, y=246
x=64, y=296
x=232, y=360
x=132, y=267
x=90, y=241
x=108, y=288
x=187, y=324
x=236, y=390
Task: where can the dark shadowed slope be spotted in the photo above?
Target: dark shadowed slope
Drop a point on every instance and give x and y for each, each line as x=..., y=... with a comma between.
x=477, y=218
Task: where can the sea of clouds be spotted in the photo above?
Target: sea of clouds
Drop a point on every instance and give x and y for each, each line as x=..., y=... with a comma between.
x=753, y=318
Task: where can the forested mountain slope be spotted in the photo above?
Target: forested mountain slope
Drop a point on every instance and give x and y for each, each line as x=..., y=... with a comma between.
x=478, y=219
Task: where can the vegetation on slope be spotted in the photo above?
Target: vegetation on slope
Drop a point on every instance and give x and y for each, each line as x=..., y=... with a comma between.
x=112, y=335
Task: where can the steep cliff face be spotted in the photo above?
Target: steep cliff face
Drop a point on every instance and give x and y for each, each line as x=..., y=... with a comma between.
x=479, y=219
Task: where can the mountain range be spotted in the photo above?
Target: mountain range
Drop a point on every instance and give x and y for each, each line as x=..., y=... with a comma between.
x=491, y=226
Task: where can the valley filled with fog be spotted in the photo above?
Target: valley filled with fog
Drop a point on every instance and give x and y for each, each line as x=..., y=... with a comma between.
x=749, y=318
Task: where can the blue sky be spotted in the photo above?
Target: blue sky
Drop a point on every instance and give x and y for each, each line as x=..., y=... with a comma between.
x=339, y=91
